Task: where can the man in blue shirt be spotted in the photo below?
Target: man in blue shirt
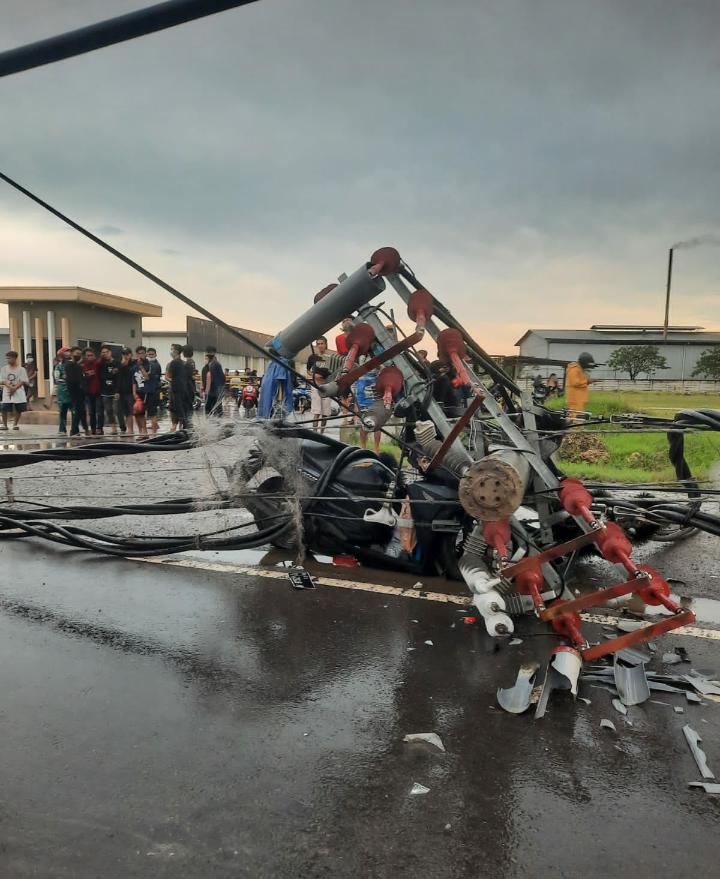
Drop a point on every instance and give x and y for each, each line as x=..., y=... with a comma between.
x=213, y=383
x=365, y=396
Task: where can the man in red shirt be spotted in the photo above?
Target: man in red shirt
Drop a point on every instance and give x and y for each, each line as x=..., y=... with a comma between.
x=341, y=341
x=93, y=400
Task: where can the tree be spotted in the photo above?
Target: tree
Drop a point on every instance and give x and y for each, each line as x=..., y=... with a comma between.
x=708, y=364
x=637, y=359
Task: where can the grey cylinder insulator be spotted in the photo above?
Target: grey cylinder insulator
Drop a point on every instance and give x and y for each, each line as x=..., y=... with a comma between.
x=376, y=416
x=356, y=290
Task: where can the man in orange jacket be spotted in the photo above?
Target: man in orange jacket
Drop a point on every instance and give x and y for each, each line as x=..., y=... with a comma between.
x=577, y=381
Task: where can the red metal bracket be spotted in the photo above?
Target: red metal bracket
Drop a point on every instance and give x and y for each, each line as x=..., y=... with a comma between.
x=349, y=377
x=639, y=636
x=533, y=562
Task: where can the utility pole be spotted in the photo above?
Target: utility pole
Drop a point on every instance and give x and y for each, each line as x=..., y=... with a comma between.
x=667, y=293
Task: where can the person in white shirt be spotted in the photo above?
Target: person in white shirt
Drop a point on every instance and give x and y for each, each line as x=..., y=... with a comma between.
x=13, y=380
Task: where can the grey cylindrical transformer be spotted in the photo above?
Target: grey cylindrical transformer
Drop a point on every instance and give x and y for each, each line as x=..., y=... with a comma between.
x=347, y=297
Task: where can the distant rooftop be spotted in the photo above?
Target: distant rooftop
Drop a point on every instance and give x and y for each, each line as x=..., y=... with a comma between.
x=82, y=295
x=604, y=332
x=635, y=328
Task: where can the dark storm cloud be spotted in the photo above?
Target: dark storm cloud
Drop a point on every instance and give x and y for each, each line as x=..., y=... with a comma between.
x=464, y=127
x=108, y=230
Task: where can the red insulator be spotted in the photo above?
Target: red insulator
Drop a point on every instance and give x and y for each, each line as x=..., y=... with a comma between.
x=568, y=625
x=324, y=292
x=576, y=499
x=530, y=582
x=359, y=340
x=450, y=341
x=389, y=383
x=420, y=307
x=451, y=346
x=657, y=591
x=385, y=261
x=614, y=544
x=497, y=535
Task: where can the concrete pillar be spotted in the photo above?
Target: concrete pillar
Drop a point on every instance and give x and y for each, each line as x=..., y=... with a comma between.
x=51, y=349
x=27, y=336
x=40, y=356
x=14, y=335
x=65, y=331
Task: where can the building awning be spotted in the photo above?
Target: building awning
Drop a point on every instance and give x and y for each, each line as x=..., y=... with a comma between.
x=81, y=295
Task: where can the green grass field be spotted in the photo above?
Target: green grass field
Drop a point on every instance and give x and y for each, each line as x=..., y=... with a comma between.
x=638, y=457
x=644, y=457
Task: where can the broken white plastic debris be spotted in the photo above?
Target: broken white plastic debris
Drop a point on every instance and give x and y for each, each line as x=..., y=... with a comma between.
x=429, y=643
x=430, y=737
x=694, y=741
x=418, y=789
x=618, y=706
x=515, y=641
x=607, y=724
x=583, y=699
x=417, y=585
x=709, y=787
x=678, y=710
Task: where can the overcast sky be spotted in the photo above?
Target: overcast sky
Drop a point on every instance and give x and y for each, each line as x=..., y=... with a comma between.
x=532, y=161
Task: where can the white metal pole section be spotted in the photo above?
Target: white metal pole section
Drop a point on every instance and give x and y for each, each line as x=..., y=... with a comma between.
x=27, y=337
x=51, y=351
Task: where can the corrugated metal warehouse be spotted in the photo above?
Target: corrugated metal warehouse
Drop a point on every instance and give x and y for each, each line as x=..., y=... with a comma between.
x=681, y=349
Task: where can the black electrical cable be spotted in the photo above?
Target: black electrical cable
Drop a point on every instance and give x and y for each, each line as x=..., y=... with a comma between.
x=111, y=31
x=111, y=545
x=264, y=352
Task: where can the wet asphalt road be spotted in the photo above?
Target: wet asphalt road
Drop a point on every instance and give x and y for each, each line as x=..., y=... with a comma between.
x=162, y=722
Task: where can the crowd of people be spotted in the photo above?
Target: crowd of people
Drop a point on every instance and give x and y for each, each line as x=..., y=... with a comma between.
x=118, y=392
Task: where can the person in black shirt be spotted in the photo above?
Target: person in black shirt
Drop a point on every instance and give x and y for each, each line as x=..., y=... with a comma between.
x=176, y=374
x=125, y=391
x=212, y=383
x=108, y=387
x=75, y=383
x=190, y=370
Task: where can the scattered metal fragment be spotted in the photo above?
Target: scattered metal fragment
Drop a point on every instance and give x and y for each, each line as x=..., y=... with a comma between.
x=702, y=685
x=670, y=659
x=515, y=641
x=651, y=646
x=693, y=740
x=658, y=687
x=517, y=698
x=430, y=738
x=633, y=656
x=607, y=724
x=693, y=697
x=618, y=706
x=418, y=789
x=709, y=787
x=657, y=702
x=562, y=674
x=631, y=682
x=678, y=709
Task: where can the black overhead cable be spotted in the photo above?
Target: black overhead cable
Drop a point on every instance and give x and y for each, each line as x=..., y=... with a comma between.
x=111, y=31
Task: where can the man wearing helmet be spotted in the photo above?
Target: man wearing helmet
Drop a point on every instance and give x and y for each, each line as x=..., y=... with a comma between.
x=577, y=381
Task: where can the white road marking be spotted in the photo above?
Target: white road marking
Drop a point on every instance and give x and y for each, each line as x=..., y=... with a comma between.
x=441, y=597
